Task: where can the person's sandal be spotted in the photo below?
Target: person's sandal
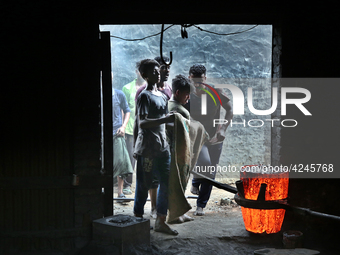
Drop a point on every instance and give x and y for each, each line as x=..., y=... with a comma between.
x=121, y=200
x=127, y=191
x=186, y=218
x=179, y=220
x=199, y=211
x=153, y=213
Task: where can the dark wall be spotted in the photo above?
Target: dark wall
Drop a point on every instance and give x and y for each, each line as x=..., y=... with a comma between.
x=309, y=50
x=50, y=117
x=50, y=85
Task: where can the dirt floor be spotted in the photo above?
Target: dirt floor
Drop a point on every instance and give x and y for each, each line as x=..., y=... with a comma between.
x=220, y=231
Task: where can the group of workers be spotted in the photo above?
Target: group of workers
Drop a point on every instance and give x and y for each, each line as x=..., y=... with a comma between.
x=149, y=104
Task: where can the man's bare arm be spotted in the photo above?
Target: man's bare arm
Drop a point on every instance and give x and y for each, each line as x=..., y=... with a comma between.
x=121, y=130
x=145, y=122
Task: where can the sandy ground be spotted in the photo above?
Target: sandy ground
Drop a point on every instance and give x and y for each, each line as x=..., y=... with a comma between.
x=220, y=231
x=212, y=206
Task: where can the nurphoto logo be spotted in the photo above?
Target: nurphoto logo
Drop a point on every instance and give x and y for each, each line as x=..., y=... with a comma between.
x=238, y=104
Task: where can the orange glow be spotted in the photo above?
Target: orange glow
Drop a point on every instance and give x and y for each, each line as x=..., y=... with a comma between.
x=260, y=221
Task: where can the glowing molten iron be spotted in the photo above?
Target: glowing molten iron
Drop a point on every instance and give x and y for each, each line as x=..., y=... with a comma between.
x=269, y=221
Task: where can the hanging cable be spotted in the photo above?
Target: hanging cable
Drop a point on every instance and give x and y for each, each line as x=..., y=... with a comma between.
x=239, y=32
x=184, y=33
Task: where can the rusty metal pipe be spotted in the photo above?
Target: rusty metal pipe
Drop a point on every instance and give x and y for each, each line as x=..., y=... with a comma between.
x=216, y=184
x=128, y=199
